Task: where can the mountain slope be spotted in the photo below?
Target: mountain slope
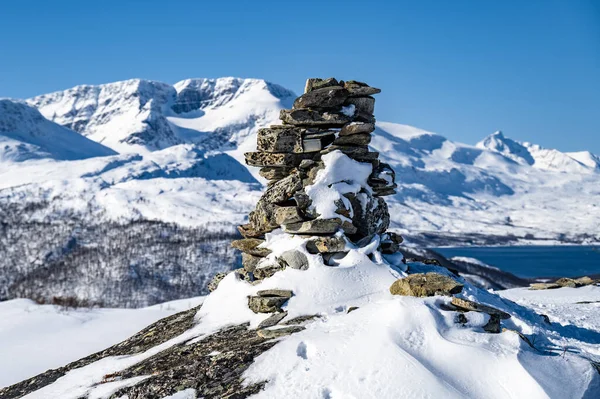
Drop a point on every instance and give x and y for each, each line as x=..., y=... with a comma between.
x=26, y=134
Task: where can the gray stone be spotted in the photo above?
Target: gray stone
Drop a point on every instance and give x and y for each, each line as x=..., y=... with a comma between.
x=360, y=154
x=361, y=139
x=325, y=97
x=371, y=215
x=358, y=89
x=306, y=164
x=312, y=145
x=287, y=214
x=243, y=274
x=247, y=230
x=214, y=283
x=270, y=159
x=470, y=306
x=278, y=332
x=363, y=104
x=320, y=226
x=272, y=320
x=274, y=292
x=333, y=258
x=267, y=270
x=310, y=117
x=325, y=244
x=286, y=139
x=294, y=259
x=266, y=304
x=250, y=246
x=275, y=173
x=460, y=319
x=303, y=201
x=357, y=128
x=426, y=284
x=316, y=83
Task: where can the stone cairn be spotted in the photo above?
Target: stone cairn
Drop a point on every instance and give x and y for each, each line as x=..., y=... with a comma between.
x=330, y=115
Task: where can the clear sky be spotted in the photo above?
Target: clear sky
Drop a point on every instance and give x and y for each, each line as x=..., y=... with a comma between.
x=461, y=68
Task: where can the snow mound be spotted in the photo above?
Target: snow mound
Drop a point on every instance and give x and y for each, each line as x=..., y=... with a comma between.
x=25, y=134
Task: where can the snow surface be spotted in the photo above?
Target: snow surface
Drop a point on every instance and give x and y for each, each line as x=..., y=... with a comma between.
x=390, y=346
x=34, y=338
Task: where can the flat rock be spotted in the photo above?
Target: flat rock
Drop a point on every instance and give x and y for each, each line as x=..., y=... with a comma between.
x=325, y=244
x=249, y=262
x=359, y=89
x=320, y=226
x=247, y=230
x=470, y=306
x=270, y=159
x=267, y=270
x=426, y=284
x=251, y=246
x=301, y=319
x=278, y=332
x=275, y=173
x=287, y=214
x=357, y=128
x=361, y=139
x=294, y=259
x=275, y=293
x=272, y=320
x=324, y=97
x=310, y=117
x=266, y=304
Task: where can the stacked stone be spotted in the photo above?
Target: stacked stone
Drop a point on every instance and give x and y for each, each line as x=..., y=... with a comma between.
x=331, y=115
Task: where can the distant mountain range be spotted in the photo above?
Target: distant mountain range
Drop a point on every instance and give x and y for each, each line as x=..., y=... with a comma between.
x=139, y=150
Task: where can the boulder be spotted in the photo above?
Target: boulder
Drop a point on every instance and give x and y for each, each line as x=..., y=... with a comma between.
x=466, y=305
x=278, y=332
x=324, y=97
x=266, y=304
x=310, y=117
x=294, y=259
x=214, y=283
x=270, y=159
x=360, y=139
x=325, y=244
x=316, y=83
x=359, y=89
x=426, y=284
x=357, y=128
x=251, y=246
x=275, y=173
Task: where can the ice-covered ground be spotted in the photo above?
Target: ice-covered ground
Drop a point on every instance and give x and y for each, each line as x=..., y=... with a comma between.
x=35, y=338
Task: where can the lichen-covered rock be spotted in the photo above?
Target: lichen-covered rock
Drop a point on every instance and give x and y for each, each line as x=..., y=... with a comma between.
x=288, y=214
x=324, y=97
x=279, y=139
x=251, y=246
x=278, y=332
x=270, y=159
x=214, y=283
x=267, y=270
x=271, y=304
x=311, y=117
x=272, y=320
x=275, y=173
x=426, y=284
x=325, y=244
x=249, y=262
x=371, y=215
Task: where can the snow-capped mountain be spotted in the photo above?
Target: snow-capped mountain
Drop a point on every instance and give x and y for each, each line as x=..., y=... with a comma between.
x=26, y=134
x=539, y=157
x=180, y=162
x=139, y=115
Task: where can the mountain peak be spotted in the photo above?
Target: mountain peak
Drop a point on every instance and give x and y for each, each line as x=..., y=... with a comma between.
x=511, y=149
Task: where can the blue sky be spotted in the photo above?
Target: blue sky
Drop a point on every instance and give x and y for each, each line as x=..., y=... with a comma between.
x=462, y=68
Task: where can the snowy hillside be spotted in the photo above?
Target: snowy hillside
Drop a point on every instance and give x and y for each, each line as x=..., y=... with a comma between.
x=26, y=134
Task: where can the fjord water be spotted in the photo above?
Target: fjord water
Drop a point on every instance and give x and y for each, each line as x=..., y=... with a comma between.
x=535, y=261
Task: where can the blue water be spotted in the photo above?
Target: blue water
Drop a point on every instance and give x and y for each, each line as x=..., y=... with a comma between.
x=535, y=261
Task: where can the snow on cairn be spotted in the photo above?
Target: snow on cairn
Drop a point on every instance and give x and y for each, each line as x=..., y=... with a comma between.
x=325, y=306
